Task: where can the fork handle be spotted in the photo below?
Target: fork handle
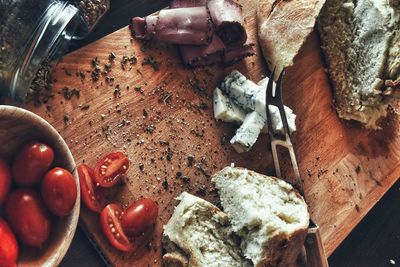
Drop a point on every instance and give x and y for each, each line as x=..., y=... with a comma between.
x=315, y=251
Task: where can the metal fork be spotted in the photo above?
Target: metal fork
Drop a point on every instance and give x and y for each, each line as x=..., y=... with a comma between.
x=315, y=252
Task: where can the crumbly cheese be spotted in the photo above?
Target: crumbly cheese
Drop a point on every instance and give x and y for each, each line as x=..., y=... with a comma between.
x=226, y=110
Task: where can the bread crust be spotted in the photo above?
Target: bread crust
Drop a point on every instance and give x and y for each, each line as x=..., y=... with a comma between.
x=283, y=27
x=285, y=248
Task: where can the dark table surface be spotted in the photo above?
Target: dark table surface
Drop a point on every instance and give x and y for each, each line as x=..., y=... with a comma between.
x=374, y=242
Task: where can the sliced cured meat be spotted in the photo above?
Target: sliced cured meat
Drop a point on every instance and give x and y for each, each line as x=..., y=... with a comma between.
x=234, y=54
x=228, y=20
x=187, y=3
x=190, y=26
x=195, y=56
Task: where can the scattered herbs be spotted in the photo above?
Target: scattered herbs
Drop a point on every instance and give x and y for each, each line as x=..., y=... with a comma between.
x=152, y=62
x=111, y=57
x=66, y=119
x=69, y=93
x=85, y=107
x=165, y=183
x=190, y=159
x=117, y=91
x=150, y=128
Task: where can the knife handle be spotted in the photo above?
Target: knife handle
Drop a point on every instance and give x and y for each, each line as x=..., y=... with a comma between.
x=315, y=251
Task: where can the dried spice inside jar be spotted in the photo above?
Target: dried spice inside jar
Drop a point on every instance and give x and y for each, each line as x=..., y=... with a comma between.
x=91, y=10
x=40, y=90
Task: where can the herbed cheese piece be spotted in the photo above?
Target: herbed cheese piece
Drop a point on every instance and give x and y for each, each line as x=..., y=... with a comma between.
x=248, y=132
x=200, y=235
x=267, y=213
x=226, y=110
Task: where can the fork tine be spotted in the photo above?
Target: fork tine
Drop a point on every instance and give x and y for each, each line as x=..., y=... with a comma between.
x=278, y=95
x=268, y=100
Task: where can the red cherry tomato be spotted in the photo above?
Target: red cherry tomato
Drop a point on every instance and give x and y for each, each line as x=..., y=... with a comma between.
x=139, y=216
x=8, y=246
x=5, y=180
x=31, y=163
x=110, y=168
x=92, y=197
x=59, y=191
x=28, y=217
x=110, y=219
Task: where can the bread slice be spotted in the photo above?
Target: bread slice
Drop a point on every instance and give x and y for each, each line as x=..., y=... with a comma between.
x=361, y=43
x=269, y=216
x=199, y=234
x=283, y=27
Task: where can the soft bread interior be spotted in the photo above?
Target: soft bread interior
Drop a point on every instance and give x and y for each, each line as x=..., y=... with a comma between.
x=263, y=211
x=203, y=233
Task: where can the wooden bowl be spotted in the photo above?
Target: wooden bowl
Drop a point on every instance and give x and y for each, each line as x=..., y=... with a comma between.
x=17, y=126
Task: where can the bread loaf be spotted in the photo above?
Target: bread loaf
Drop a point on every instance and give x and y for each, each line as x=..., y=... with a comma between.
x=361, y=43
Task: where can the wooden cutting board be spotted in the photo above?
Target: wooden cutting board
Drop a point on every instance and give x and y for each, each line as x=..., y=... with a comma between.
x=346, y=169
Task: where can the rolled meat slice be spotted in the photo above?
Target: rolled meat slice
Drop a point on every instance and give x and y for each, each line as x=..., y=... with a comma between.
x=144, y=28
x=190, y=26
x=228, y=20
x=186, y=3
x=234, y=54
x=195, y=56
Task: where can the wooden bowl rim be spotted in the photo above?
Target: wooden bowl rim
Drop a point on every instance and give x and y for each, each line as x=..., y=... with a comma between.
x=72, y=219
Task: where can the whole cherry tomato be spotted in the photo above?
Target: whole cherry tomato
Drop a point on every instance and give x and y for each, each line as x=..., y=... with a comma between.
x=5, y=180
x=92, y=197
x=8, y=246
x=139, y=216
x=31, y=163
x=110, y=168
x=28, y=217
x=110, y=219
x=59, y=191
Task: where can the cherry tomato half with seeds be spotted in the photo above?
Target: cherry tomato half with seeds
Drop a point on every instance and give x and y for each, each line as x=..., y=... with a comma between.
x=8, y=246
x=139, y=216
x=31, y=163
x=91, y=195
x=28, y=217
x=5, y=180
x=110, y=220
x=59, y=191
x=110, y=168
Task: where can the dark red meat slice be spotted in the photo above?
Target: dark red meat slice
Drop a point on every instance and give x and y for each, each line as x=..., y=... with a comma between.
x=234, y=54
x=190, y=26
x=195, y=56
x=187, y=3
x=227, y=18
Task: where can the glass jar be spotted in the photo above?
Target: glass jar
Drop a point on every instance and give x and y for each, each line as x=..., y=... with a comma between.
x=36, y=31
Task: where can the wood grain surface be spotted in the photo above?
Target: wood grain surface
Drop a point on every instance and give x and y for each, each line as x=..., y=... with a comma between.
x=346, y=169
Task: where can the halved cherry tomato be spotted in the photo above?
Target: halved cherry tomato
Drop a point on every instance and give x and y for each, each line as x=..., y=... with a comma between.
x=92, y=197
x=139, y=216
x=28, y=217
x=31, y=163
x=59, y=191
x=110, y=168
x=110, y=219
x=8, y=246
x=5, y=180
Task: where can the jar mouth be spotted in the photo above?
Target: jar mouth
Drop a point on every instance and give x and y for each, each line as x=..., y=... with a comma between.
x=55, y=28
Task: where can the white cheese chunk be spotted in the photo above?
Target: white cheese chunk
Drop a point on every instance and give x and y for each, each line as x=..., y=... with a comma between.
x=248, y=132
x=225, y=109
x=277, y=123
x=241, y=90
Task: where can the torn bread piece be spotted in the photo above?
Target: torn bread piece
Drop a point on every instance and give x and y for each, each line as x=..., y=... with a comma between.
x=267, y=213
x=199, y=234
x=283, y=27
